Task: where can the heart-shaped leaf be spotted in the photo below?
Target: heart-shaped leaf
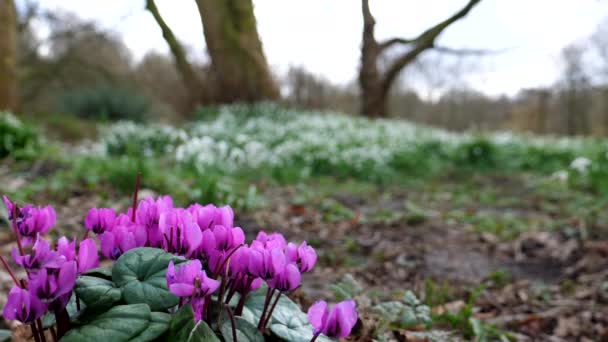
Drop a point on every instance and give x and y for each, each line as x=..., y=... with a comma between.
x=5, y=335
x=202, y=333
x=120, y=323
x=245, y=331
x=183, y=327
x=100, y=272
x=140, y=273
x=181, y=324
x=159, y=324
x=97, y=293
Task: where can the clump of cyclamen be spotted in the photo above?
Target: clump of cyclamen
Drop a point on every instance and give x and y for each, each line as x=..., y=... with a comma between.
x=52, y=272
x=204, y=235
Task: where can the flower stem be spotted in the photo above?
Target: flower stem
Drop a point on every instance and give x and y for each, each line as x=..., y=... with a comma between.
x=217, y=271
x=41, y=330
x=16, y=230
x=35, y=332
x=232, y=323
x=269, y=294
x=10, y=271
x=53, y=333
x=269, y=315
x=137, y=181
x=314, y=338
x=63, y=322
x=220, y=299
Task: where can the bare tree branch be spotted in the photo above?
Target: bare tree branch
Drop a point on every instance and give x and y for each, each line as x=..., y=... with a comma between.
x=394, y=41
x=425, y=41
x=467, y=52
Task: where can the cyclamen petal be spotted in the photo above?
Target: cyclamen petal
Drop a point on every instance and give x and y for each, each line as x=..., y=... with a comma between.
x=337, y=322
x=23, y=306
x=88, y=257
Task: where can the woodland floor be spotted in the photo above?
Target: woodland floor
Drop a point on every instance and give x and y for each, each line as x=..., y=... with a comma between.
x=537, y=253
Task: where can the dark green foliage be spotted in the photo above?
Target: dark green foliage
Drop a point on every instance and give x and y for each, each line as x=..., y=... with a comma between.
x=105, y=102
x=17, y=140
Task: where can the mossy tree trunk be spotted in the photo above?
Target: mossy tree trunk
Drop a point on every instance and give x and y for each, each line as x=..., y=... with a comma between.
x=238, y=61
x=375, y=84
x=8, y=56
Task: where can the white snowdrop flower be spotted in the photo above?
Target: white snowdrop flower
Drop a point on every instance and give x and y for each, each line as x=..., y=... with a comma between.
x=580, y=164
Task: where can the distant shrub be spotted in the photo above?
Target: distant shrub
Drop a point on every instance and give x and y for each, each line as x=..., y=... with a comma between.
x=478, y=153
x=105, y=103
x=16, y=139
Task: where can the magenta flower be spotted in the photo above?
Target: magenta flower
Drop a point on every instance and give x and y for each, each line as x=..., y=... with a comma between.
x=41, y=257
x=50, y=286
x=100, y=220
x=209, y=215
x=304, y=256
x=148, y=215
x=121, y=239
x=21, y=305
x=287, y=279
x=190, y=280
x=66, y=248
x=88, y=257
x=269, y=241
x=181, y=235
x=337, y=322
x=31, y=220
x=260, y=263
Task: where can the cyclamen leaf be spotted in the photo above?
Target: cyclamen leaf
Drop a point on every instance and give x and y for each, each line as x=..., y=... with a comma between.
x=140, y=273
x=97, y=293
x=202, y=333
x=5, y=335
x=100, y=272
x=181, y=324
x=120, y=323
x=159, y=324
x=245, y=331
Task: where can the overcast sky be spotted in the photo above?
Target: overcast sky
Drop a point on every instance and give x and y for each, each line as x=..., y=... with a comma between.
x=324, y=35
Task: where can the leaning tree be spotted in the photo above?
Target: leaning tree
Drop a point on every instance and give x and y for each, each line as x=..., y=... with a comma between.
x=375, y=81
x=238, y=63
x=8, y=55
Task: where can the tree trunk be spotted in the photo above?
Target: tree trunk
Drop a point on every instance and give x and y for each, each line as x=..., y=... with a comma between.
x=237, y=57
x=8, y=56
x=374, y=84
x=196, y=89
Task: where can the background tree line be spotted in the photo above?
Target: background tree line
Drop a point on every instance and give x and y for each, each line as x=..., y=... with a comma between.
x=83, y=69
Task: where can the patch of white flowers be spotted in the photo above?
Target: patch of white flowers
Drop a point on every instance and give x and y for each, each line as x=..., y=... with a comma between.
x=274, y=137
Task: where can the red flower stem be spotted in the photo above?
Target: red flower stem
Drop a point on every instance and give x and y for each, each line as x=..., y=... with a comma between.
x=314, y=338
x=53, y=333
x=241, y=305
x=269, y=294
x=85, y=235
x=137, y=181
x=10, y=271
x=41, y=330
x=16, y=230
x=269, y=315
x=220, y=299
x=232, y=323
x=216, y=273
x=35, y=332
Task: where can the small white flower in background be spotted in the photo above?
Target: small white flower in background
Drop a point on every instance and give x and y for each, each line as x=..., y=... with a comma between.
x=580, y=164
x=561, y=176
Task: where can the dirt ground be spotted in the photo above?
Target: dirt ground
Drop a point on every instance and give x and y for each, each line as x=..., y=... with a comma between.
x=548, y=281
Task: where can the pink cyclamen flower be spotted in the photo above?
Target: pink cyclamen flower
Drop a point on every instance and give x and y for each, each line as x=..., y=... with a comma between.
x=100, y=220
x=181, y=235
x=148, y=215
x=287, y=279
x=337, y=322
x=88, y=257
x=260, y=263
x=30, y=220
x=209, y=215
x=269, y=241
x=41, y=257
x=304, y=256
x=23, y=306
x=190, y=280
x=121, y=239
x=50, y=286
